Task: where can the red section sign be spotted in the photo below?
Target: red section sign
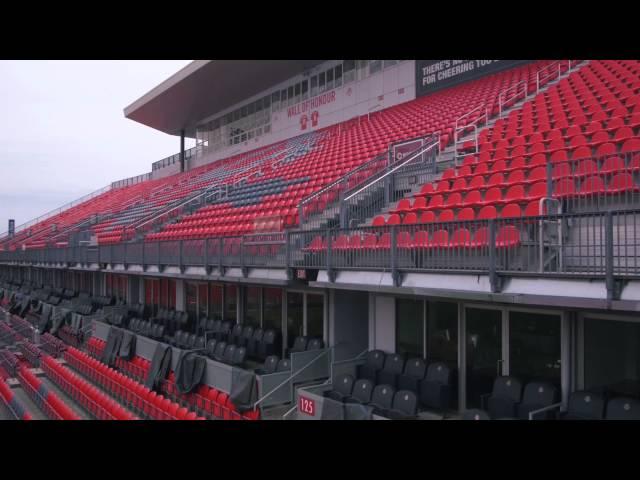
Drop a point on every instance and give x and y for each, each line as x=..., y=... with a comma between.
x=306, y=406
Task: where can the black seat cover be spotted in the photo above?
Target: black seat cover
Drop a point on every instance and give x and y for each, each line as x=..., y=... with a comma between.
x=270, y=365
x=284, y=365
x=299, y=344
x=315, y=344
x=219, y=352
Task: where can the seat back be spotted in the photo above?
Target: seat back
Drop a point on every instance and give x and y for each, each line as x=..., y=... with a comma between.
x=383, y=396
x=239, y=356
x=211, y=347
x=362, y=390
x=507, y=387
x=315, y=344
x=416, y=368
x=344, y=384
x=270, y=364
x=375, y=359
x=439, y=372
x=623, y=408
x=586, y=405
x=405, y=401
x=284, y=365
x=541, y=394
x=394, y=363
x=229, y=352
x=300, y=344
x=475, y=414
x=220, y=348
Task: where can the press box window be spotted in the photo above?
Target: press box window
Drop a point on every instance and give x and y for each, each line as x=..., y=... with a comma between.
x=314, y=85
x=321, y=82
x=305, y=89
x=375, y=66
x=338, y=76
x=329, y=79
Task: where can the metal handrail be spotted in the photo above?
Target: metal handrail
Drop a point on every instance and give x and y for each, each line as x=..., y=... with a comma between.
x=57, y=211
x=503, y=94
x=558, y=64
x=419, y=151
x=291, y=377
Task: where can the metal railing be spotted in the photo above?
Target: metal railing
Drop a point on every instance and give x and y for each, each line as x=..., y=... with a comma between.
x=125, y=182
x=57, y=211
x=390, y=183
x=470, y=121
x=507, y=98
x=320, y=202
x=552, y=71
x=175, y=158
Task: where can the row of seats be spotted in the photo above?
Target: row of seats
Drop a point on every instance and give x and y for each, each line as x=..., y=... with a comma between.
x=507, y=236
x=44, y=398
x=99, y=405
x=134, y=395
x=432, y=383
x=12, y=403
x=383, y=399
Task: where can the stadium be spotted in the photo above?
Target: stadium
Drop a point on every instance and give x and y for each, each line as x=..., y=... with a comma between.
x=347, y=240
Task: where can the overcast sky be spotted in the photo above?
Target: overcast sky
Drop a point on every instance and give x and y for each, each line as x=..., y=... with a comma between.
x=63, y=132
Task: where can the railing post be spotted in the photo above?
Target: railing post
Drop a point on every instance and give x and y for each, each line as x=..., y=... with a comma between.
x=206, y=255
x=287, y=237
x=608, y=256
x=242, y=267
x=220, y=245
x=394, y=257
x=330, y=271
x=493, y=277
x=549, y=178
x=180, y=255
x=144, y=246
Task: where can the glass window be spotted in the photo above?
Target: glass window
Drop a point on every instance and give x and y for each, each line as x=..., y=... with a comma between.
x=294, y=316
x=266, y=102
x=230, y=303
x=329, y=79
x=272, y=309
x=252, y=306
x=290, y=95
x=314, y=85
x=298, y=90
x=389, y=63
x=442, y=333
x=315, y=315
x=534, y=346
x=251, y=109
x=338, y=76
x=484, y=352
x=203, y=300
x=321, y=82
x=612, y=357
x=375, y=66
x=244, y=111
x=171, y=300
x=215, y=302
x=410, y=327
x=191, y=299
x=305, y=89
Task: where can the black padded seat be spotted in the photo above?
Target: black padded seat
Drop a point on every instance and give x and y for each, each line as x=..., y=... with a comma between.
x=211, y=347
x=435, y=389
x=361, y=393
x=382, y=399
x=270, y=365
x=537, y=395
x=623, y=408
x=374, y=361
x=342, y=388
x=284, y=365
x=584, y=406
x=415, y=370
x=506, y=394
x=393, y=368
x=475, y=414
x=405, y=405
x=218, y=354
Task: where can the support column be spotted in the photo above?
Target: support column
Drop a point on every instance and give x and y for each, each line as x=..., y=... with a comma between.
x=182, y=150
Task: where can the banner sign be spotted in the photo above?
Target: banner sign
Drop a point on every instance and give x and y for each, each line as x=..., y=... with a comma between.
x=432, y=75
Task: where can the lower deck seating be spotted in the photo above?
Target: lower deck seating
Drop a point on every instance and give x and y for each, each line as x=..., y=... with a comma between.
x=11, y=403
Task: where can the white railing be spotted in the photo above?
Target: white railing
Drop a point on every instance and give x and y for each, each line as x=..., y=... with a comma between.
x=509, y=96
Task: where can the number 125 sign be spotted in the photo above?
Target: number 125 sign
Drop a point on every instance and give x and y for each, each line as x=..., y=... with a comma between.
x=306, y=406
